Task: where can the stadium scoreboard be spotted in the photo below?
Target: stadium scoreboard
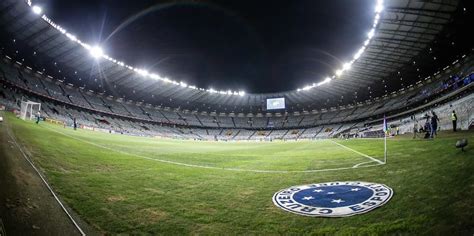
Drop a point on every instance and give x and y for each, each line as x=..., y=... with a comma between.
x=275, y=103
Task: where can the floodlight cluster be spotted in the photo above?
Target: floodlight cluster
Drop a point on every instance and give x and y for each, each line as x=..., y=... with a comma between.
x=98, y=53
x=37, y=10
x=347, y=66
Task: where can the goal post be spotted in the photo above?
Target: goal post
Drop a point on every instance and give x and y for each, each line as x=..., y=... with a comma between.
x=29, y=110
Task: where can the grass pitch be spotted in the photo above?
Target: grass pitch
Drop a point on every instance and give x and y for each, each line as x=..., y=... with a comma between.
x=123, y=184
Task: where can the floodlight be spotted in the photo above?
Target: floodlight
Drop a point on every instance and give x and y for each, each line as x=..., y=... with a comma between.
x=142, y=72
x=359, y=53
x=379, y=6
x=325, y=81
x=338, y=72
x=71, y=37
x=366, y=42
x=155, y=76
x=37, y=10
x=371, y=33
x=346, y=66
x=96, y=52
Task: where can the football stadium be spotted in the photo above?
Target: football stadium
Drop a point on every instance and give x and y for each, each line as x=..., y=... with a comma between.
x=236, y=117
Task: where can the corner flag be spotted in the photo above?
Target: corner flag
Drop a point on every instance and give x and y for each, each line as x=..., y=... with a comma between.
x=385, y=130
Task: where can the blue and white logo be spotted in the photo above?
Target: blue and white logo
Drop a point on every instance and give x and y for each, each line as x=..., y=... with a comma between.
x=333, y=199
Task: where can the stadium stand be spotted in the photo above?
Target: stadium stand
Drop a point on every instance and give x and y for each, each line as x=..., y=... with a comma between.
x=65, y=102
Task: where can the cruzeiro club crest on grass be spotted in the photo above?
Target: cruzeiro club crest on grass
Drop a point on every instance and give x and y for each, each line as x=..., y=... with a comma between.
x=333, y=199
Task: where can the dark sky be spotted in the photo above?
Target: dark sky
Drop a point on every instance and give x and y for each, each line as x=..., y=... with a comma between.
x=257, y=46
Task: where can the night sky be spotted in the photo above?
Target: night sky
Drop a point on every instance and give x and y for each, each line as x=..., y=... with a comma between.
x=256, y=46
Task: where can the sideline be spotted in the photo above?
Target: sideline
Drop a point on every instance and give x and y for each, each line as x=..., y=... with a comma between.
x=22, y=151
x=359, y=165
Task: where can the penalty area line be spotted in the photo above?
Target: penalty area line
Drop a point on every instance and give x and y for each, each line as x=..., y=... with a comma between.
x=209, y=167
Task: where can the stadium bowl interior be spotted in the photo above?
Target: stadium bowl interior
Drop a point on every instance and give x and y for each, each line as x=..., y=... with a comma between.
x=102, y=145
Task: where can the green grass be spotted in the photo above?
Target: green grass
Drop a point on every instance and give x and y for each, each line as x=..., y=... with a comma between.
x=105, y=179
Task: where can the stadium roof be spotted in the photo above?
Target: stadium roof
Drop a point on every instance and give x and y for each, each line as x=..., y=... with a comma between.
x=405, y=30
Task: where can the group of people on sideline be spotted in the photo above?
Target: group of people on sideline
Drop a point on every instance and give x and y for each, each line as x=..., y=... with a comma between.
x=39, y=118
x=430, y=127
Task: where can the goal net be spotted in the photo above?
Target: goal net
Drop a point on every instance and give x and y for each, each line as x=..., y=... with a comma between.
x=29, y=110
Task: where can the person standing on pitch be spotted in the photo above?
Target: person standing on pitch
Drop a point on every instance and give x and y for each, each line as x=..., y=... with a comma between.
x=38, y=117
x=415, y=129
x=75, y=123
x=434, y=124
x=427, y=126
x=454, y=118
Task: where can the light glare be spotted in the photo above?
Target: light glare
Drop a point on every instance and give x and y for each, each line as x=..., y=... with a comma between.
x=96, y=52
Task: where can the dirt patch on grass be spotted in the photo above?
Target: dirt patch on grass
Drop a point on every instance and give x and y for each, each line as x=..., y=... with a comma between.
x=153, y=215
x=153, y=190
x=104, y=168
x=116, y=198
x=24, y=177
x=247, y=192
x=62, y=170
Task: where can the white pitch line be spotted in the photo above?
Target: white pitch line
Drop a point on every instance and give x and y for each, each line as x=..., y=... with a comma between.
x=362, y=163
x=208, y=167
x=360, y=153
